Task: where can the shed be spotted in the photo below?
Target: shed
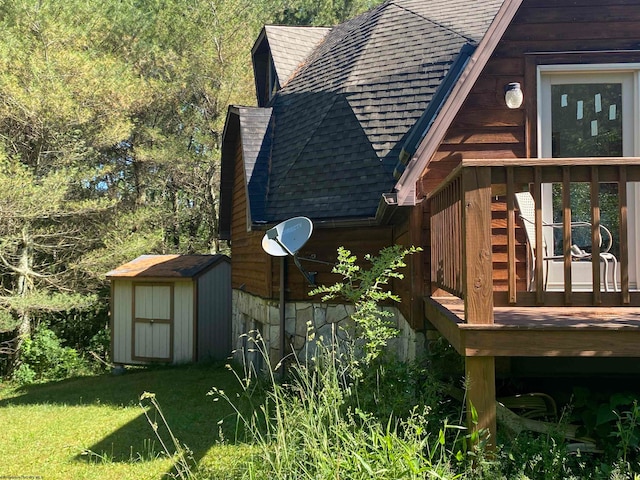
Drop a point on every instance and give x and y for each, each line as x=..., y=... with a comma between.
x=171, y=308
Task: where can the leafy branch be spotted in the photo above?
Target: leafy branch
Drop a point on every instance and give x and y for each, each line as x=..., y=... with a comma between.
x=367, y=290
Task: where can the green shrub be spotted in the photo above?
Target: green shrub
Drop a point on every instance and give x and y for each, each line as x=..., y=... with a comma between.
x=537, y=456
x=100, y=344
x=78, y=328
x=43, y=358
x=367, y=290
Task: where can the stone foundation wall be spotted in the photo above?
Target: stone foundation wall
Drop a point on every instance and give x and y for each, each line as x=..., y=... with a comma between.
x=252, y=313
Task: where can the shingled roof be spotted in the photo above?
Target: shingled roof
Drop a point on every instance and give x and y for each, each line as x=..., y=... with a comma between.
x=336, y=128
x=290, y=46
x=167, y=266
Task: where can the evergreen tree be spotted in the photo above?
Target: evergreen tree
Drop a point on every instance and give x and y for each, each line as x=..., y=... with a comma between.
x=110, y=123
x=322, y=12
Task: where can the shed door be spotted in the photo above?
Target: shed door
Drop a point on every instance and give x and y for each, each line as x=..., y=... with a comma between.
x=153, y=322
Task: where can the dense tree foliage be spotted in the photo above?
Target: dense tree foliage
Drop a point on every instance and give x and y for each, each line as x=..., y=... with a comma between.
x=111, y=116
x=322, y=12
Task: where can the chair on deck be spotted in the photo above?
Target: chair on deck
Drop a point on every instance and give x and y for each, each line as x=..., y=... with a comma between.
x=526, y=205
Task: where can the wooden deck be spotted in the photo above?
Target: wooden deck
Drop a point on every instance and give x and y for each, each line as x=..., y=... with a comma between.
x=539, y=331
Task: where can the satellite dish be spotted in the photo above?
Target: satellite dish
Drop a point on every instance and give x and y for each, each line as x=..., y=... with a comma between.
x=287, y=237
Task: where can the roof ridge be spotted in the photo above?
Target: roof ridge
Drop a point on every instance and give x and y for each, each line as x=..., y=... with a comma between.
x=307, y=27
x=450, y=29
x=345, y=28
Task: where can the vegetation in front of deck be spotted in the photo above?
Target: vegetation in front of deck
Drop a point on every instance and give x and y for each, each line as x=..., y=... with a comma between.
x=346, y=410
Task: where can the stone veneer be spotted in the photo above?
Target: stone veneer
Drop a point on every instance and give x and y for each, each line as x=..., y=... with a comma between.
x=251, y=313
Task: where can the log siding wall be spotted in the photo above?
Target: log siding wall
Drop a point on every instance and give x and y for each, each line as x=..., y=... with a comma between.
x=250, y=265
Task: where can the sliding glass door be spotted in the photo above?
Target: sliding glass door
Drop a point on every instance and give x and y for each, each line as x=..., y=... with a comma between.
x=587, y=111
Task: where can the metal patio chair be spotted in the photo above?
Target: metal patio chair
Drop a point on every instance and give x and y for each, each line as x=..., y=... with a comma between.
x=526, y=206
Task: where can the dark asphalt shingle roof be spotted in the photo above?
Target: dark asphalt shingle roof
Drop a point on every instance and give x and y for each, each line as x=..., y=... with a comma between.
x=337, y=127
x=255, y=132
x=289, y=46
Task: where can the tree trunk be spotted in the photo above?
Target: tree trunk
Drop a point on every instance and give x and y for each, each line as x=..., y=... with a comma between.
x=24, y=285
x=141, y=197
x=172, y=228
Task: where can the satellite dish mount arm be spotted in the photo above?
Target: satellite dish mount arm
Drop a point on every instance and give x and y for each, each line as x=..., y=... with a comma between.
x=310, y=276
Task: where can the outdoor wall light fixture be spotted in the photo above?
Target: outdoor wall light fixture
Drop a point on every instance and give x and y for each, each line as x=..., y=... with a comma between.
x=513, y=96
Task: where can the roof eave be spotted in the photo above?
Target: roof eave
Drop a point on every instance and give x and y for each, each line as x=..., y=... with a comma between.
x=405, y=188
x=327, y=223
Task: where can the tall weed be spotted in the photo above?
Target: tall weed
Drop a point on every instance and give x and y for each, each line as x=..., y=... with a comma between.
x=349, y=411
x=181, y=456
x=309, y=428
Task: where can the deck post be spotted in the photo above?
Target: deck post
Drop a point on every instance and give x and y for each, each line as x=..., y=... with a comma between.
x=480, y=380
x=477, y=267
x=477, y=277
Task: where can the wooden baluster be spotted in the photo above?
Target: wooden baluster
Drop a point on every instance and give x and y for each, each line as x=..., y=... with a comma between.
x=511, y=238
x=459, y=239
x=450, y=253
x=595, y=235
x=566, y=233
x=624, y=236
x=435, y=241
x=539, y=249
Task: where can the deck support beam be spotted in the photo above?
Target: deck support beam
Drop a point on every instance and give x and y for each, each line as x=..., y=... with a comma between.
x=477, y=267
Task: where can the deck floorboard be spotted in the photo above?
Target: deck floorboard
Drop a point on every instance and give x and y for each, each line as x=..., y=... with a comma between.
x=540, y=331
x=552, y=317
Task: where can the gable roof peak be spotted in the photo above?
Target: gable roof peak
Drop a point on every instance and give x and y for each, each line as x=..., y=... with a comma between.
x=405, y=188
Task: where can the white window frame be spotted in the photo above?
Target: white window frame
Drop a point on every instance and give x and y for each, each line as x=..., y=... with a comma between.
x=628, y=74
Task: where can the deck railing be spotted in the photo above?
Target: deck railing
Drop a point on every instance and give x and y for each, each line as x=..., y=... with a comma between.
x=446, y=246
x=461, y=231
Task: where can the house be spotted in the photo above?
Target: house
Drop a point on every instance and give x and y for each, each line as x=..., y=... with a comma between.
x=417, y=123
x=170, y=309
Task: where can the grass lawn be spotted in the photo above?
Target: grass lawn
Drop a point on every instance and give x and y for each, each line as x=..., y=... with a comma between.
x=93, y=427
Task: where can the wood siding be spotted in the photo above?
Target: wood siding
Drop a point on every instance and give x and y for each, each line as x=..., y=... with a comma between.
x=323, y=246
x=250, y=266
x=121, y=326
x=486, y=128
x=412, y=288
x=184, y=318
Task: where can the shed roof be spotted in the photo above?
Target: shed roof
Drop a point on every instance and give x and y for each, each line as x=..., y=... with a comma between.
x=339, y=124
x=167, y=266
